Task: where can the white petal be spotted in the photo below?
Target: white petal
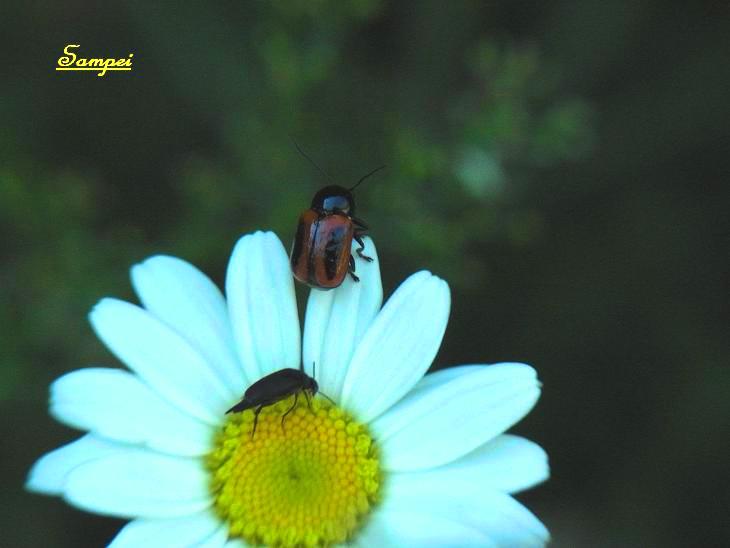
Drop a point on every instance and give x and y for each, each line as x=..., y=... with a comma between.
x=336, y=321
x=399, y=346
x=401, y=528
x=236, y=543
x=445, y=375
x=117, y=405
x=262, y=305
x=188, y=301
x=503, y=520
x=162, y=358
x=507, y=463
x=139, y=483
x=442, y=422
x=48, y=475
x=181, y=532
x=217, y=539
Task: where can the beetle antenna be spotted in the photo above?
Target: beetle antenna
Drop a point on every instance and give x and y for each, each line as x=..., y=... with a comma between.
x=314, y=370
x=365, y=177
x=326, y=396
x=299, y=149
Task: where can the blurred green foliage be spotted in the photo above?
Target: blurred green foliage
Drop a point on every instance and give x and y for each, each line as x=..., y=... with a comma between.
x=563, y=166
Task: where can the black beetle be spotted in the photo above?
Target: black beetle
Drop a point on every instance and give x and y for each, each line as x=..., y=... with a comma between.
x=275, y=387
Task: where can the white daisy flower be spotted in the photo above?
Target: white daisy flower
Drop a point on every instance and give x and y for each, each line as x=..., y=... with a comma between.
x=399, y=460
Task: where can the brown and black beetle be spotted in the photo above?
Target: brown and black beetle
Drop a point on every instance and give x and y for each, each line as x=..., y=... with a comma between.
x=321, y=253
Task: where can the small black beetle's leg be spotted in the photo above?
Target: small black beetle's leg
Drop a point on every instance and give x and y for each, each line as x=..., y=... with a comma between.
x=309, y=400
x=256, y=419
x=351, y=269
x=296, y=398
x=358, y=239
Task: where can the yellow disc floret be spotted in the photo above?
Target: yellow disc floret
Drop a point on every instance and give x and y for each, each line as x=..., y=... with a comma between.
x=310, y=482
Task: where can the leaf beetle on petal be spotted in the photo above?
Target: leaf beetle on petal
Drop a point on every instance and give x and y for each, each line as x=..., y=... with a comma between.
x=321, y=254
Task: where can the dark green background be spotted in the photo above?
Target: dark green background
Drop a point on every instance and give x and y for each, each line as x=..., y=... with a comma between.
x=564, y=165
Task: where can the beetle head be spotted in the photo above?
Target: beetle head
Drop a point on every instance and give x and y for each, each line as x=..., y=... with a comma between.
x=334, y=199
x=311, y=385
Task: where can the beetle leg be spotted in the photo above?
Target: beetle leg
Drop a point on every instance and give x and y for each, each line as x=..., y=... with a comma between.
x=358, y=239
x=351, y=269
x=256, y=419
x=360, y=224
x=309, y=400
x=296, y=398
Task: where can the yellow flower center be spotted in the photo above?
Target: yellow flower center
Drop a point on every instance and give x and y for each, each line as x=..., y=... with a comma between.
x=311, y=482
